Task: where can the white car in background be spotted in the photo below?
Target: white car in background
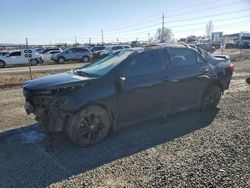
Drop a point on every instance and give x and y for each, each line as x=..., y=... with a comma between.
x=47, y=56
x=18, y=58
x=108, y=50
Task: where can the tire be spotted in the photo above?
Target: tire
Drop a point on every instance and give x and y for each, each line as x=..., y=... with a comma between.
x=2, y=64
x=85, y=59
x=61, y=60
x=248, y=80
x=89, y=126
x=210, y=98
x=33, y=62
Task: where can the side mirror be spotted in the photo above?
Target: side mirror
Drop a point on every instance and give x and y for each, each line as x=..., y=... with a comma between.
x=121, y=83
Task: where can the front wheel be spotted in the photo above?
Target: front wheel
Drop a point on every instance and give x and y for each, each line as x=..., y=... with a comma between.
x=33, y=62
x=2, y=64
x=211, y=98
x=89, y=126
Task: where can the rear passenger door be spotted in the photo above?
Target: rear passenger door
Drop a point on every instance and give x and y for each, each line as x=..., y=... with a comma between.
x=147, y=92
x=189, y=74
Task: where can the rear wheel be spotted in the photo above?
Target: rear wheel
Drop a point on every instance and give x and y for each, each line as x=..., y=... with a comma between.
x=2, y=64
x=33, y=62
x=85, y=59
x=89, y=126
x=211, y=98
x=61, y=60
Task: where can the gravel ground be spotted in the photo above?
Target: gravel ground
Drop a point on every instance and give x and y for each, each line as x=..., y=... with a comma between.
x=190, y=149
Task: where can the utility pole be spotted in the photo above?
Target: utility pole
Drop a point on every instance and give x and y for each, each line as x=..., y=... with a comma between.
x=75, y=40
x=102, y=37
x=162, y=29
x=27, y=46
x=89, y=40
x=148, y=37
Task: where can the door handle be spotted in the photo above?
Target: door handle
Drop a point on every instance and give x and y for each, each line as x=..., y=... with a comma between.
x=205, y=70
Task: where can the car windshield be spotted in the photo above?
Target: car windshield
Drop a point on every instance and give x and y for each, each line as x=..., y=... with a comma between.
x=66, y=49
x=102, y=67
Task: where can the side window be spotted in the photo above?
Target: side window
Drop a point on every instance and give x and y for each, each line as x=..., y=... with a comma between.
x=117, y=47
x=182, y=56
x=73, y=50
x=199, y=59
x=147, y=62
x=83, y=50
x=15, y=54
x=54, y=52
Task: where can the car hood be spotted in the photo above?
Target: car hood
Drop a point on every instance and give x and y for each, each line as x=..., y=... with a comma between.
x=56, y=81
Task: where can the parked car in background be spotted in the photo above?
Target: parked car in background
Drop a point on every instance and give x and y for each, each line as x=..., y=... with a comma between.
x=47, y=56
x=108, y=50
x=207, y=47
x=73, y=54
x=38, y=50
x=18, y=58
x=96, y=48
x=126, y=87
x=50, y=49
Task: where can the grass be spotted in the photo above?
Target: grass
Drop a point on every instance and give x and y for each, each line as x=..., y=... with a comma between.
x=17, y=79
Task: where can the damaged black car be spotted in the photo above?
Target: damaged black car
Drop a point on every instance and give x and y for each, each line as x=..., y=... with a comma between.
x=124, y=88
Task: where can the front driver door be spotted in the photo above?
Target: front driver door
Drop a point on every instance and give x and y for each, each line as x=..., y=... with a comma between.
x=146, y=86
x=15, y=58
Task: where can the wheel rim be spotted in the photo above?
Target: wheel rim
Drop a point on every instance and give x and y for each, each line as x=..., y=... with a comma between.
x=61, y=60
x=91, y=129
x=212, y=99
x=85, y=59
x=33, y=62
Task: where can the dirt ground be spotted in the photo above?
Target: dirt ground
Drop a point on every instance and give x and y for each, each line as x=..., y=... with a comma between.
x=190, y=149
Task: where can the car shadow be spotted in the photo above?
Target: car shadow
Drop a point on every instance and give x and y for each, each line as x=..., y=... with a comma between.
x=26, y=163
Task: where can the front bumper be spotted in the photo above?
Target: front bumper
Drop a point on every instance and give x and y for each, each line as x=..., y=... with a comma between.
x=49, y=118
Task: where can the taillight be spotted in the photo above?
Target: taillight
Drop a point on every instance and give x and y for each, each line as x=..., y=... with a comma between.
x=231, y=66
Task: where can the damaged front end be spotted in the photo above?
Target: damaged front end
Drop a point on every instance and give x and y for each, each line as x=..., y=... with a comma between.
x=46, y=108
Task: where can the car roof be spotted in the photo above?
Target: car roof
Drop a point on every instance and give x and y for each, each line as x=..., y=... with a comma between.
x=158, y=46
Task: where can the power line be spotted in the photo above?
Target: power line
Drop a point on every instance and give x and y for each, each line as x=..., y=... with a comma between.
x=180, y=13
x=177, y=21
x=149, y=17
x=174, y=26
x=213, y=15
